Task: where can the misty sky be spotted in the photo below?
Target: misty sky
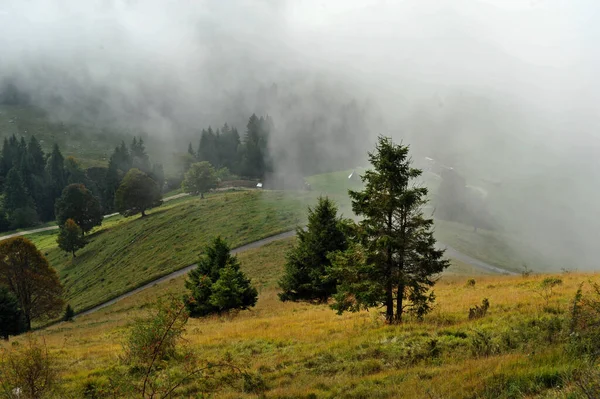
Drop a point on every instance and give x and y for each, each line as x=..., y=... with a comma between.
x=501, y=89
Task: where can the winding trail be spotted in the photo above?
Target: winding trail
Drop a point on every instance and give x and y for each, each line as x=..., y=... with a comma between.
x=450, y=253
x=49, y=228
x=185, y=270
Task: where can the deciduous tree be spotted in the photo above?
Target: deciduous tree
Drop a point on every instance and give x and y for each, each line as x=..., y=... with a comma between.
x=78, y=203
x=137, y=193
x=199, y=179
x=70, y=237
x=28, y=275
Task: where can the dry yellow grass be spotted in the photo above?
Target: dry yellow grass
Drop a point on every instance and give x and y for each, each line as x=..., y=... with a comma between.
x=303, y=350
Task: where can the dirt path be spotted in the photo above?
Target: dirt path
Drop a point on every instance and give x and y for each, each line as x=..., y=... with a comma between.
x=49, y=228
x=450, y=253
x=185, y=270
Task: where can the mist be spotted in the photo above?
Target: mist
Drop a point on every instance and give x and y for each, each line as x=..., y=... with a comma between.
x=501, y=90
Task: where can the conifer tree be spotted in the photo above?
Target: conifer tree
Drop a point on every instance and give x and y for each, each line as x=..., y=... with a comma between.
x=395, y=262
x=217, y=284
x=306, y=269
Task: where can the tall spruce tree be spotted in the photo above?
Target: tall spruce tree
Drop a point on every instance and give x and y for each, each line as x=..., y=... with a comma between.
x=55, y=167
x=306, y=269
x=395, y=263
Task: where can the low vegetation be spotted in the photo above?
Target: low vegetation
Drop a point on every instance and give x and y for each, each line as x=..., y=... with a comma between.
x=125, y=253
x=303, y=350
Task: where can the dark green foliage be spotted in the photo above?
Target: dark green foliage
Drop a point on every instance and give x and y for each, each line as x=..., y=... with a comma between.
x=256, y=159
x=232, y=290
x=207, y=150
x=69, y=313
x=306, y=270
x=11, y=318
x=223, y=149
x=218, y=284
x=56, y=171
x=17, y=203
x=137, y=192
x=70, y=237
x=395, y=260
x=139, y=157
x=78, y=203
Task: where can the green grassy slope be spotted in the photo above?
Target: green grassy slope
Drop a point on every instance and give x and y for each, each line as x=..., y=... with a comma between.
x=126, y=253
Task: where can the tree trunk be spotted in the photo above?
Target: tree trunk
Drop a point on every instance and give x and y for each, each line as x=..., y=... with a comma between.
x=143, y=213
x=27, y=322
x=201, y=195
x=74, y=254
x=389, y=303
x=399, y=302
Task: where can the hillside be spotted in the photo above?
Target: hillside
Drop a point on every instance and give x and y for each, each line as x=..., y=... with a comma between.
x=125, y=253
x=91, y=145
x=307, y=351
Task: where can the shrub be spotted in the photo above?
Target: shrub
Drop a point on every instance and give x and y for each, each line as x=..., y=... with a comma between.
x=470, y=282
x=69, y=314
x=479, y=311
x=585, y=322
x=30, y=368
x=155, y=337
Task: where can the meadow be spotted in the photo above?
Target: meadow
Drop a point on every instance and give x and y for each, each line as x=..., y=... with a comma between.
x=299, y=350
x=125, y=253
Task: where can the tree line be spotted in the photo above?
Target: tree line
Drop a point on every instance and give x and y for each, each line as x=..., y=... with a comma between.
x=32, y=181
x=388, y=259
x=228, y=153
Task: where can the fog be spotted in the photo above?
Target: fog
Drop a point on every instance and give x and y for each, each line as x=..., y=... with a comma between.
x=501, y=90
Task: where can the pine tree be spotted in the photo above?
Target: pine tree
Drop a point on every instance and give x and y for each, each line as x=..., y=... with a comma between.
x=56, y=171
x=139, y=157
x=306, y=269
x=17, y=203
x=207, y=150
x=70, y=237
x=217, y=284
x=191, y=150
x=395, y=263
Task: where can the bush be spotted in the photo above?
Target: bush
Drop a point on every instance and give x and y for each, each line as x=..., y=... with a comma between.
x=69, y=314
x=479, y=311
x=585, y=323
x=470, y=282
x=155, y=337
x=29, y=367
